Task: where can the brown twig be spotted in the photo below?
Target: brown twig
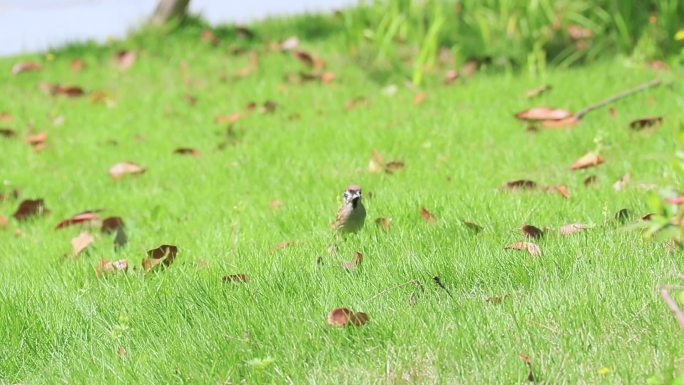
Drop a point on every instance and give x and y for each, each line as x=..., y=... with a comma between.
x=670, y=302
x=580, y=114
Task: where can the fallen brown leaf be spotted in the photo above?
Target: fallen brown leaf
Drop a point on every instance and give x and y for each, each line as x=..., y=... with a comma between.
x=105, y=266
x=531, y=248
x=234, y=117
x=427, y=215
x=534, y=92
x=281, y=245
x=450, y=76
x=573, y=228
x=191, y=100
x=37, y=141
x=3, y=222
x=587, y=160
x=121, y=169
x=622, y=182
x=76, y=65
x=68, y=91
x=29, y=208
x=111, y=224
x=646, y=122
x=123, y=60
x=81, y=241
x=394, y=165
x=577, y=32
x=342, y=316
x=86, y=216
x=566, y=122
x=543, y=113
x=6, y=117
x=7, y=132
x=243, y=278
x=164, y=254
x=358, y=258
x=520, y=184
x=531, y=231
x=356, y=102
x=304, y=57
x=383, y=222
x=419, y=98
x=560, y=189
x=359, y=318
x=187, y=151
x=25, y=67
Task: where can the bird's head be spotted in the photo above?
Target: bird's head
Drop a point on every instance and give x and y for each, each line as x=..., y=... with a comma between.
x=352, y=195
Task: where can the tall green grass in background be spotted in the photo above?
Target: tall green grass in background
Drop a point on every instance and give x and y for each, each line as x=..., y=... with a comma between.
x=511, y=33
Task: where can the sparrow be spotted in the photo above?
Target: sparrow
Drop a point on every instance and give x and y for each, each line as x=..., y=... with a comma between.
x=352, y=214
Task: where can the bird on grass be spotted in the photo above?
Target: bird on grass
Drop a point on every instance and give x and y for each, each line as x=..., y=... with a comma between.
x=352, y=214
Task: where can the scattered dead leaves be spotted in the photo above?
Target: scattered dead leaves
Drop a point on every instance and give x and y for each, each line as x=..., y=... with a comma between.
x=25, y=67
x=531, y=231
x=81, y=242
x=241, y=278
x=646, y=122
x=108, y=267
x=587, y=160
x=351, y=265
x=30, y=208
x=83, y=217
x=520, y=184
x=122, y=169
x=343, y=316
x=60, y=90
x=163, y=255
x=429, y=218
x=531, y=248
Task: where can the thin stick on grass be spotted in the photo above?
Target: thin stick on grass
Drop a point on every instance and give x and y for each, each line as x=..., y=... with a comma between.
x=670, y=302
x=580, y=114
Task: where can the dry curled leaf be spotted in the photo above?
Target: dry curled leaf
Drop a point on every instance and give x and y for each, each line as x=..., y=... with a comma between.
x=111, y=224
x=187, y=151
x=81, y=242
x=37, y=141
x=534, y=92
x=25, y=67
x=560, y=123
x=427, y=215
x=520, y=184
x=622, y=182
x=358, y=258
x=29, y=208
x=123, y=60
x=383, y=222
x=106, y=266
x=646, y=122
x=6, y=117
x=589, y=159
x=121, y=169
x=560, y=189
x=543, y=113
x=3, y=222
x=7, y=132
x=573, y=228
x=68, y=91
x=531, y=248
x=243, y=278
x=394, y=165
x=343, y=316
x=531, y=231
x=164, y=254
x=85, y=216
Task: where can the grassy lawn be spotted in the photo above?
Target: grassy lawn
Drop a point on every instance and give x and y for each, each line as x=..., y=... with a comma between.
x=585, y=311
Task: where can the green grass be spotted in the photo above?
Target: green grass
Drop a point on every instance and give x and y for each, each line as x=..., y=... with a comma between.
x=587, y=303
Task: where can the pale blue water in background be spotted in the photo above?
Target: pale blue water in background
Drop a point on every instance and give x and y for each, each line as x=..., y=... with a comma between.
x=36, y=25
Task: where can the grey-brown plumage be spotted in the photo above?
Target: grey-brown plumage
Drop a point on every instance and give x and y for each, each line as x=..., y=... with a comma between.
x=352, y=214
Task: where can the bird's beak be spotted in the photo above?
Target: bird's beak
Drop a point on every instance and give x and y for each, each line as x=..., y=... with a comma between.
x=356, y=196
